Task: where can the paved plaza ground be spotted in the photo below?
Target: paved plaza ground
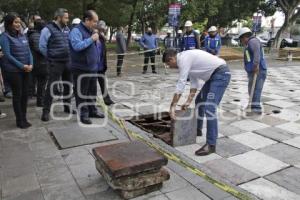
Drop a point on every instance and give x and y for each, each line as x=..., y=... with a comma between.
x=257, y=156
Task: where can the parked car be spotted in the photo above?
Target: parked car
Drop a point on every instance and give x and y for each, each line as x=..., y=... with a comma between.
x=288, y=42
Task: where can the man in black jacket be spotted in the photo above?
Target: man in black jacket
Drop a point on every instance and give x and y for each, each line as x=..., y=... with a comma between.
x=54, y=45
x=40, y=70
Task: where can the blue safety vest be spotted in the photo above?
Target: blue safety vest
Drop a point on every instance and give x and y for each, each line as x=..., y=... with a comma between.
x=190, y=41
x=213, y=43
x=249, y=58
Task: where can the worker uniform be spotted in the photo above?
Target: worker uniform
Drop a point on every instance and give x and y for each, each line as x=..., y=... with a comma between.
x=254, y=55
x=189, y=41
x=213, y=44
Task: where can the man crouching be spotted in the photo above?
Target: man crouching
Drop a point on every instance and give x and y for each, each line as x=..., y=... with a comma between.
x=199, y=66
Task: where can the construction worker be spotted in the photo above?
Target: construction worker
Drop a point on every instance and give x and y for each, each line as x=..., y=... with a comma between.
x=169, y=41
x=200, y=66
x=191, y=39
x=255, y=66
x=179, y=40
x=213, y=41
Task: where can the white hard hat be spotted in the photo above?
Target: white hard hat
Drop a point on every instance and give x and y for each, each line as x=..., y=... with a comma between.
x=188, y=23
x=76, y=21
x=197, y=31
x=179, y=32
x=169, y=31
x=212, y=29
x=244, y=30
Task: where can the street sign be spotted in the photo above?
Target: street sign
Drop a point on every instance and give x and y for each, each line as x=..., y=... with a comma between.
x=174, y=14
x=257, y=19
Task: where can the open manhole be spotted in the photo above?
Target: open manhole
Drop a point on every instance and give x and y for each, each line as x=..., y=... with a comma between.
x=276, y=111
x=179, y=132
x=159, y=127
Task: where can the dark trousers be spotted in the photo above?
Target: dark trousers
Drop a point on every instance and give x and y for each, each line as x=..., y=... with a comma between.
x=85, y=93
x=103, y=86
x=120, y=63
x=19, y=83
x=32, y=84
x=149, y=55
x=58, y=71
x=41, y=81
x=7, y=87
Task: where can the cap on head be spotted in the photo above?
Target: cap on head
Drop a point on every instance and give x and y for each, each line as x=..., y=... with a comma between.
x=169, y=31
x=212, y=29
x=188, y=23
x=179, y=32
x=197, y=31
x=243, y=31
x=76, y=21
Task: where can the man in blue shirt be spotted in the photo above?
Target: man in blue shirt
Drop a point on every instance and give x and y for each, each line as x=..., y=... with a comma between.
x=150, y=44
x=213, y=41
x=86, y=62
x=54, y=45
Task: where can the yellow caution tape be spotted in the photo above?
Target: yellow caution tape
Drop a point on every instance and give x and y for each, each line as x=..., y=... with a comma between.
x=173, y=157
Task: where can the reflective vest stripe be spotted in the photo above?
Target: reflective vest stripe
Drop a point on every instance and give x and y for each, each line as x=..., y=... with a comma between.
x=247, y=55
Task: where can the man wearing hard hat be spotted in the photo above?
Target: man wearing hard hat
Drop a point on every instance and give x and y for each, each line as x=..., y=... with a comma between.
x=179, y=41
x=168, y=40
x=213, y=41
x=191, y=39
x=256, y=68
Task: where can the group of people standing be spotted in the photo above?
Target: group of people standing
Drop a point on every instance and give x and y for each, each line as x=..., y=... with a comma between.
x=56, y=57
x=209, y=41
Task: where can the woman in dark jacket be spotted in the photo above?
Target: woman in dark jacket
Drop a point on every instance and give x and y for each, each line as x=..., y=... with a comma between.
x=17, y=64
x=101, y=28
x=40, y=70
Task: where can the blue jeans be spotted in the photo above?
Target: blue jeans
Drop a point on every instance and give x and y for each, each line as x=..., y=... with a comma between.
x=208, y=100
x=261, y=77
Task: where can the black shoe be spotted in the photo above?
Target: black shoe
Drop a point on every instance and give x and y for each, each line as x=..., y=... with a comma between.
x=26, y=123
x=68, y=110
x=199, y=132
x=154, y=72
x=144, y=72
x=206, y=150
x=23, y=125
x=45, y=116
x=108, y=101
x=86, y=121
x=96, y=115
x=2, y=99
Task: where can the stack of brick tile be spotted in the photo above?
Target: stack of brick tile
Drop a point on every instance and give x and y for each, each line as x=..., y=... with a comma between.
x=131, y=168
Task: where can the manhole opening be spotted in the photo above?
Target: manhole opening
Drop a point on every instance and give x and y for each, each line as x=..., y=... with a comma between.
x=236, y=100
x=159, y=126
x=276, y=111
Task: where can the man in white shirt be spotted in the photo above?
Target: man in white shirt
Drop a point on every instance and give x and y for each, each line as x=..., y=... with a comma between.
x=200, y=66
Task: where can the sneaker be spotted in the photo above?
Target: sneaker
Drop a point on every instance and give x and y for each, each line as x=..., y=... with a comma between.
x=3, y=115
x=8, y=95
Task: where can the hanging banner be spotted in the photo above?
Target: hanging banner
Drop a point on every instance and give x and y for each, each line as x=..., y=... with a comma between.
x=174, y=14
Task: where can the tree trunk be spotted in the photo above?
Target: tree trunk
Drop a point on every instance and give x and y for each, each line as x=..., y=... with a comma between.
x=278, y=36
x=130, y=23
